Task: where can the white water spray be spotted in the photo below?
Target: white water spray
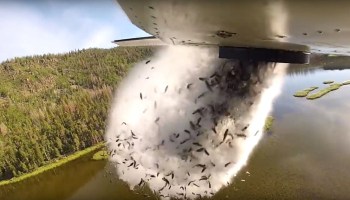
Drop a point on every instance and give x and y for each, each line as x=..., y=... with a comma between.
x=178, y=126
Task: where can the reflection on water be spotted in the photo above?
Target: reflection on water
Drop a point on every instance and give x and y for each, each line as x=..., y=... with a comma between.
x=105, y=185
x=319, y=63
x=57, y=184
x=307, y=155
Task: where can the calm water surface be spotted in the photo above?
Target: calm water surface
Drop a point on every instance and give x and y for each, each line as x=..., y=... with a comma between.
x=306, y=156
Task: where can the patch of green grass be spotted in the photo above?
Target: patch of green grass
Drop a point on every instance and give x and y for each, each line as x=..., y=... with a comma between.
x=52, y=165
x=305, y=92
x=100, y=155
x=328, y=82
x=268, y=123
x=346, y=82
x=324, y=91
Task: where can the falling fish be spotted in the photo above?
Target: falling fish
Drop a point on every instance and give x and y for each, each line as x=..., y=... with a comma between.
x=227, y=164
x=256, y=133
x=225, y=135
x=193, y=127
x=189, y=85
x=199, y=110
x=208, y=86
x=201, y=95
x=157, y=119
x=244, y=128
x=203, y=149
x=213, y=75
x=241, y=135
x=197, y=144
x=198, y=120
x=183, y=142
x=140, y=183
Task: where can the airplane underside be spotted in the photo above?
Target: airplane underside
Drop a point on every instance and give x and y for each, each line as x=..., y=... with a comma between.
x=263, y=30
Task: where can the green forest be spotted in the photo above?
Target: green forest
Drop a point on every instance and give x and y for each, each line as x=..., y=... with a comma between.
x=56, y=104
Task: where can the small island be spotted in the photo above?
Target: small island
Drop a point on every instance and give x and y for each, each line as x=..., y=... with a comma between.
x=346, y=82
x=268, y=124
x=305, y=92
x=328, y=82
x=331, y=87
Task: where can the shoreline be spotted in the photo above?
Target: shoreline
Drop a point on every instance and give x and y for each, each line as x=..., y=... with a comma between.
x=52, y=165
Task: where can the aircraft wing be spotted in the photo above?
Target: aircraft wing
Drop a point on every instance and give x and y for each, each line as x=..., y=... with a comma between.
x=141, y=41
x=283, y=26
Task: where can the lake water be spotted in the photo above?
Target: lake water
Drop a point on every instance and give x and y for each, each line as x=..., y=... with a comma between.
x=306, y=155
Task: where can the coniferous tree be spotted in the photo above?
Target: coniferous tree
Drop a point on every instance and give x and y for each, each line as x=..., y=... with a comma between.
x=56, y=104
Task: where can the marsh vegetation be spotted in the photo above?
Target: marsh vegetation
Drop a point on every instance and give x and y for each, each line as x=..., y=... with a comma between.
x=305, y=92
x=318, y=94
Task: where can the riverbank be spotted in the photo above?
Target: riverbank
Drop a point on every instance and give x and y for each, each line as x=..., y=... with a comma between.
x=52, y=165
x=100, y=155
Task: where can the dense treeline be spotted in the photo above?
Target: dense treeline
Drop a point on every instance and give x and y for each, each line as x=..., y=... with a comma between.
x=54, y=105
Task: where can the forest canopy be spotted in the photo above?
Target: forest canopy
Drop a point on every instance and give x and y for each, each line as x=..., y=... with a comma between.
x=54, y=105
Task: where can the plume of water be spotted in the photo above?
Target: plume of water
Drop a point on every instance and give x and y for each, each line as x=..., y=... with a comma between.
x=186, y=122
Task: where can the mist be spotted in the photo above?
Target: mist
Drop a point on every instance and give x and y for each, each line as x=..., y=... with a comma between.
x=185, y=122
